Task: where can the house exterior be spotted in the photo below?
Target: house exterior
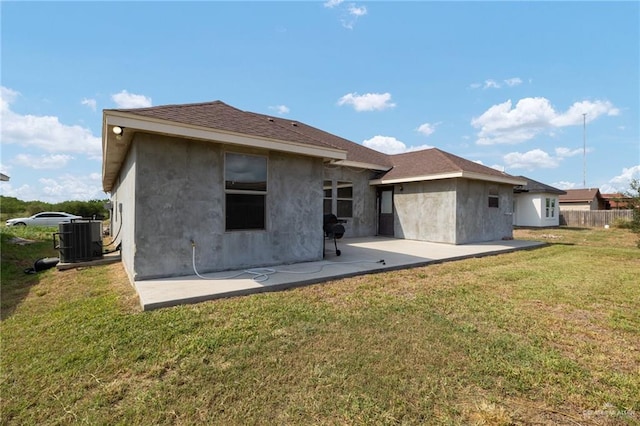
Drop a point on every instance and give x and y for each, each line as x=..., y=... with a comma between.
x=536, y=204
x=582, y=199
x=617, y=201
x=250, y=190
x=3, y=177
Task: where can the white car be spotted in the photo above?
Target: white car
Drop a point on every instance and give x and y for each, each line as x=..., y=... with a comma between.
x=43, y=219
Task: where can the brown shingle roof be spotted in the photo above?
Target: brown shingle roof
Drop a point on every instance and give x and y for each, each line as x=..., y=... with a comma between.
x=434, y=161
x=580, y=195
x=355, y=152
x=220, y=116
x=533, y=186
x=618, y=200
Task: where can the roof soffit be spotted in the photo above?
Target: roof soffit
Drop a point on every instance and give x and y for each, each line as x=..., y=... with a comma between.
x=114, y=149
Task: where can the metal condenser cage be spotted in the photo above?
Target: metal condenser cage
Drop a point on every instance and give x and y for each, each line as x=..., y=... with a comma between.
x=79, y=240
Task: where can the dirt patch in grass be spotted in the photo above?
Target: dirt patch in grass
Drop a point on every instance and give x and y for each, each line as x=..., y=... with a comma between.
x=585, y=336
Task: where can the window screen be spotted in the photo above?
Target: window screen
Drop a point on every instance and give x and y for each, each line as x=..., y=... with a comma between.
x=245, y=183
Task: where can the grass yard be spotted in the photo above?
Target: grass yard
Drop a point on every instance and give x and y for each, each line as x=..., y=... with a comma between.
x=546, y=336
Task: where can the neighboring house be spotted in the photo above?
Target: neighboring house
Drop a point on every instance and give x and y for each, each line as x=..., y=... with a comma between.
x=617, y=201
x=250, y=190
x=536, y=204
x=582, y=199
x=3, y=177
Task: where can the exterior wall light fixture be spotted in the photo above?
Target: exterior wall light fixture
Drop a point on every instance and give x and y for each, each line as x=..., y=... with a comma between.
x=118, y=132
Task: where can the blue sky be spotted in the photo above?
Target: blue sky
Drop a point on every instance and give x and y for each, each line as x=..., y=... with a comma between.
x=502, y=83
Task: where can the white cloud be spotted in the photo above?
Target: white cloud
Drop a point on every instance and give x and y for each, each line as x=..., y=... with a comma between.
x=494, y=84
x=357, y=11
x=515, y=81
x=280, y=109
x=91, y=103
x=530, y=160
x=564, y=185
x=391, y=145
x=23, y=192
x=608, y=189
x=72, y=187
x=349, y=13
x=503, y=124
x=7, y=97
x=368, y=101
x=418, y=148
x=125, y=99
x=332, y=3
x=427, y=128
x=62, y=188
x=621, y=183
x=386, y=144
x=514, y=136
x=574, y=115
x=54, y=161
x=491, y=84
x=45, y=132
x=566, y=152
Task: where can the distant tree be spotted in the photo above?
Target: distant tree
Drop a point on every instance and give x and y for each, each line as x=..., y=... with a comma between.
x=34, y=207
x=634, y=195
x=11, y=205
x=88, y=209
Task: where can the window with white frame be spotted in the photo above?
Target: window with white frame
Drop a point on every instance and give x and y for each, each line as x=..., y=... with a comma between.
x=550, y=207
x=340, y=192
x=245, y=185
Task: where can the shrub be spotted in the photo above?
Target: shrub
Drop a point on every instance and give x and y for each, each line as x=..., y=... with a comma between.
x=622, y=223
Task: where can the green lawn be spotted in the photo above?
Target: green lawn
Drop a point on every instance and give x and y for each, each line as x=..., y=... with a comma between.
x=546, y=336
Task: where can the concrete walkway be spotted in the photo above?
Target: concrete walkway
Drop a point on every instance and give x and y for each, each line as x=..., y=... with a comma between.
x=359, y=256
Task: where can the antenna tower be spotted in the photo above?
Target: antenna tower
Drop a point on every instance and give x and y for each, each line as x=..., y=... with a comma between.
x=584, y=150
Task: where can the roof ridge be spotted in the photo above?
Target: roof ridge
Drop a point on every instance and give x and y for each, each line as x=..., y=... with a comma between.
x=274, y=120
x=277, y=120
x=160, y=107
x=448, y=158
x=532, y=183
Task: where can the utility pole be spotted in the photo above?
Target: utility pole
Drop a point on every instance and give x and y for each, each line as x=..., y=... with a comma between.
x=584, y=150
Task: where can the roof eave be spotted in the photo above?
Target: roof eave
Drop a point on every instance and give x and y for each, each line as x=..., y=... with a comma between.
x=507, y=179
x=135, y=123
x=360, y=165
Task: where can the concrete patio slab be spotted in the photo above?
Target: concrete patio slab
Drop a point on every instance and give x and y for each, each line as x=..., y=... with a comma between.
x=359, y=256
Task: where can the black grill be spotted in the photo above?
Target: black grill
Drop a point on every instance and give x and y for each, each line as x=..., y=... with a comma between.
x=333, y=230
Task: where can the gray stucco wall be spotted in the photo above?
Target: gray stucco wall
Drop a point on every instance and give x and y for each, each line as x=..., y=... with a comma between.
x=124, y=208
x=477, y=222
x=453, y=211
x=172, y=192
x=179, y=197
x=365, y=215
x=425, y=211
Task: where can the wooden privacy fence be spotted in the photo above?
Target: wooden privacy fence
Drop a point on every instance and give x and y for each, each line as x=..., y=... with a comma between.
x=593, y=218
